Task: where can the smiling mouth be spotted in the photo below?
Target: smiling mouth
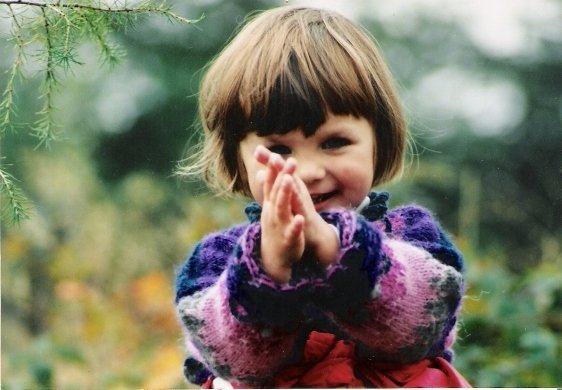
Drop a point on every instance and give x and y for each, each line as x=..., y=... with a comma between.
x=319, y=198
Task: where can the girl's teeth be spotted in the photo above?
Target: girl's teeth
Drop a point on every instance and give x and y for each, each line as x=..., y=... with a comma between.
x=321, y=198
x=317, y=198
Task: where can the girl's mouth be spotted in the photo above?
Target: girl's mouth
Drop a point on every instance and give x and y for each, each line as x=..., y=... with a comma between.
x=319, y=198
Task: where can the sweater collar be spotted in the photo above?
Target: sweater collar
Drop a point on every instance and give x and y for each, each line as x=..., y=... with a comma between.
x=373, y=208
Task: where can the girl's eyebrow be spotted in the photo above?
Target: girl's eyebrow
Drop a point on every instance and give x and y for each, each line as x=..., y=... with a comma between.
x=334, y=130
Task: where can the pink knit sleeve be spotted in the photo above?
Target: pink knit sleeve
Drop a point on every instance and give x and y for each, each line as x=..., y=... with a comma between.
x=413, y=307
x=414, y=296
x=214, y=309
x=236, y=351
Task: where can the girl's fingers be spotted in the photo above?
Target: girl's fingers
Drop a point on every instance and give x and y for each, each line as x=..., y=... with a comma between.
x=276, y=168
x=295, y=228
x=297, y=203
x=302, y=202
x=273, y=167
x=272, y=170
x=262, y=154
x=275, y=164
x=290, y=166
x=267, y=157
x=278, y=184
x=266, y=182
x=283, y=193
x=278, y=190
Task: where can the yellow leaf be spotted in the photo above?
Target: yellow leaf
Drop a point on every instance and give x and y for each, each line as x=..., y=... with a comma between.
x=165, y=369
x=153, y=300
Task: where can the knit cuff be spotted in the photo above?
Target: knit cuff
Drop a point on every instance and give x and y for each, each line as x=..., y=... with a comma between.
x=350, y=281
x=254, y=296
x=342, y=288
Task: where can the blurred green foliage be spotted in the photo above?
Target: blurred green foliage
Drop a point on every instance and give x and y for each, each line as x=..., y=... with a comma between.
x=87, y=282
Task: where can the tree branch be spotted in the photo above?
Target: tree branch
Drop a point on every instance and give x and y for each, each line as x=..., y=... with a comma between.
x=58, y=28
x=145, y=8
x=16, y=206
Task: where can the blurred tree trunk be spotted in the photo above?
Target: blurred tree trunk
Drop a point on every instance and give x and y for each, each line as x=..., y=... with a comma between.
x=469, y=206
x=40, y=292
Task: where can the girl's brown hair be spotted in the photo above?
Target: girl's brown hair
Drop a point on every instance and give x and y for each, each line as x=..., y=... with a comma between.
x=284, y=70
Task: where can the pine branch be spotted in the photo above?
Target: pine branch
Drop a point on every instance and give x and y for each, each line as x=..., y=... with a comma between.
x=7, y=106
x=45, y=127
x=16, y=207
x=58, y=28
x=144, y=8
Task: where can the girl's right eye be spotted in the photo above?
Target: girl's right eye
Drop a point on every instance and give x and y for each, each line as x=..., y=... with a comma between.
x=279, y=149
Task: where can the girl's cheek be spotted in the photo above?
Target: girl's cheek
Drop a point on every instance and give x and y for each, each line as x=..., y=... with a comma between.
x=256, y=188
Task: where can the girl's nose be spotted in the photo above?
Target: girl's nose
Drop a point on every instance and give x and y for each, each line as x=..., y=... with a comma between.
x=310, y=170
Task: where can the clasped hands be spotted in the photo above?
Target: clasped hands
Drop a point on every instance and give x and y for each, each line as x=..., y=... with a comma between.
x=290, y=223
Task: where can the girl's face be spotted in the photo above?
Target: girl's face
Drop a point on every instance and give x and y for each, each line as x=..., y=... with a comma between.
x=336, y=162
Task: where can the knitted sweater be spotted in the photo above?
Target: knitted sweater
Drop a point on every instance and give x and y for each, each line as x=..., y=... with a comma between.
x=394, y=291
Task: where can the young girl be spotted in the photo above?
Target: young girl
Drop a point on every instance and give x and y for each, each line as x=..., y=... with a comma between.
x=323, y=287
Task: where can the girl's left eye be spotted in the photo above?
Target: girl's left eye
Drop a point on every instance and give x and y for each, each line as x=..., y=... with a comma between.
x=335, y=143
x=280, y=149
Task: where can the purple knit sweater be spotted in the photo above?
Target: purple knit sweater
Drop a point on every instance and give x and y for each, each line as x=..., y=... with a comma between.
x=394, y=291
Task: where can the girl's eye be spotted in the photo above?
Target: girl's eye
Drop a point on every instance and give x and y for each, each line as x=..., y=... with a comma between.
x=280, y=149
x=335, y=143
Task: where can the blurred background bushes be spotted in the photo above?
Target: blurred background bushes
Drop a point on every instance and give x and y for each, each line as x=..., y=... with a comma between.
x=87, y=282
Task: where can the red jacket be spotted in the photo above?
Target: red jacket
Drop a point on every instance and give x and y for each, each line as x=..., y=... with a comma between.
x=329, y=362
